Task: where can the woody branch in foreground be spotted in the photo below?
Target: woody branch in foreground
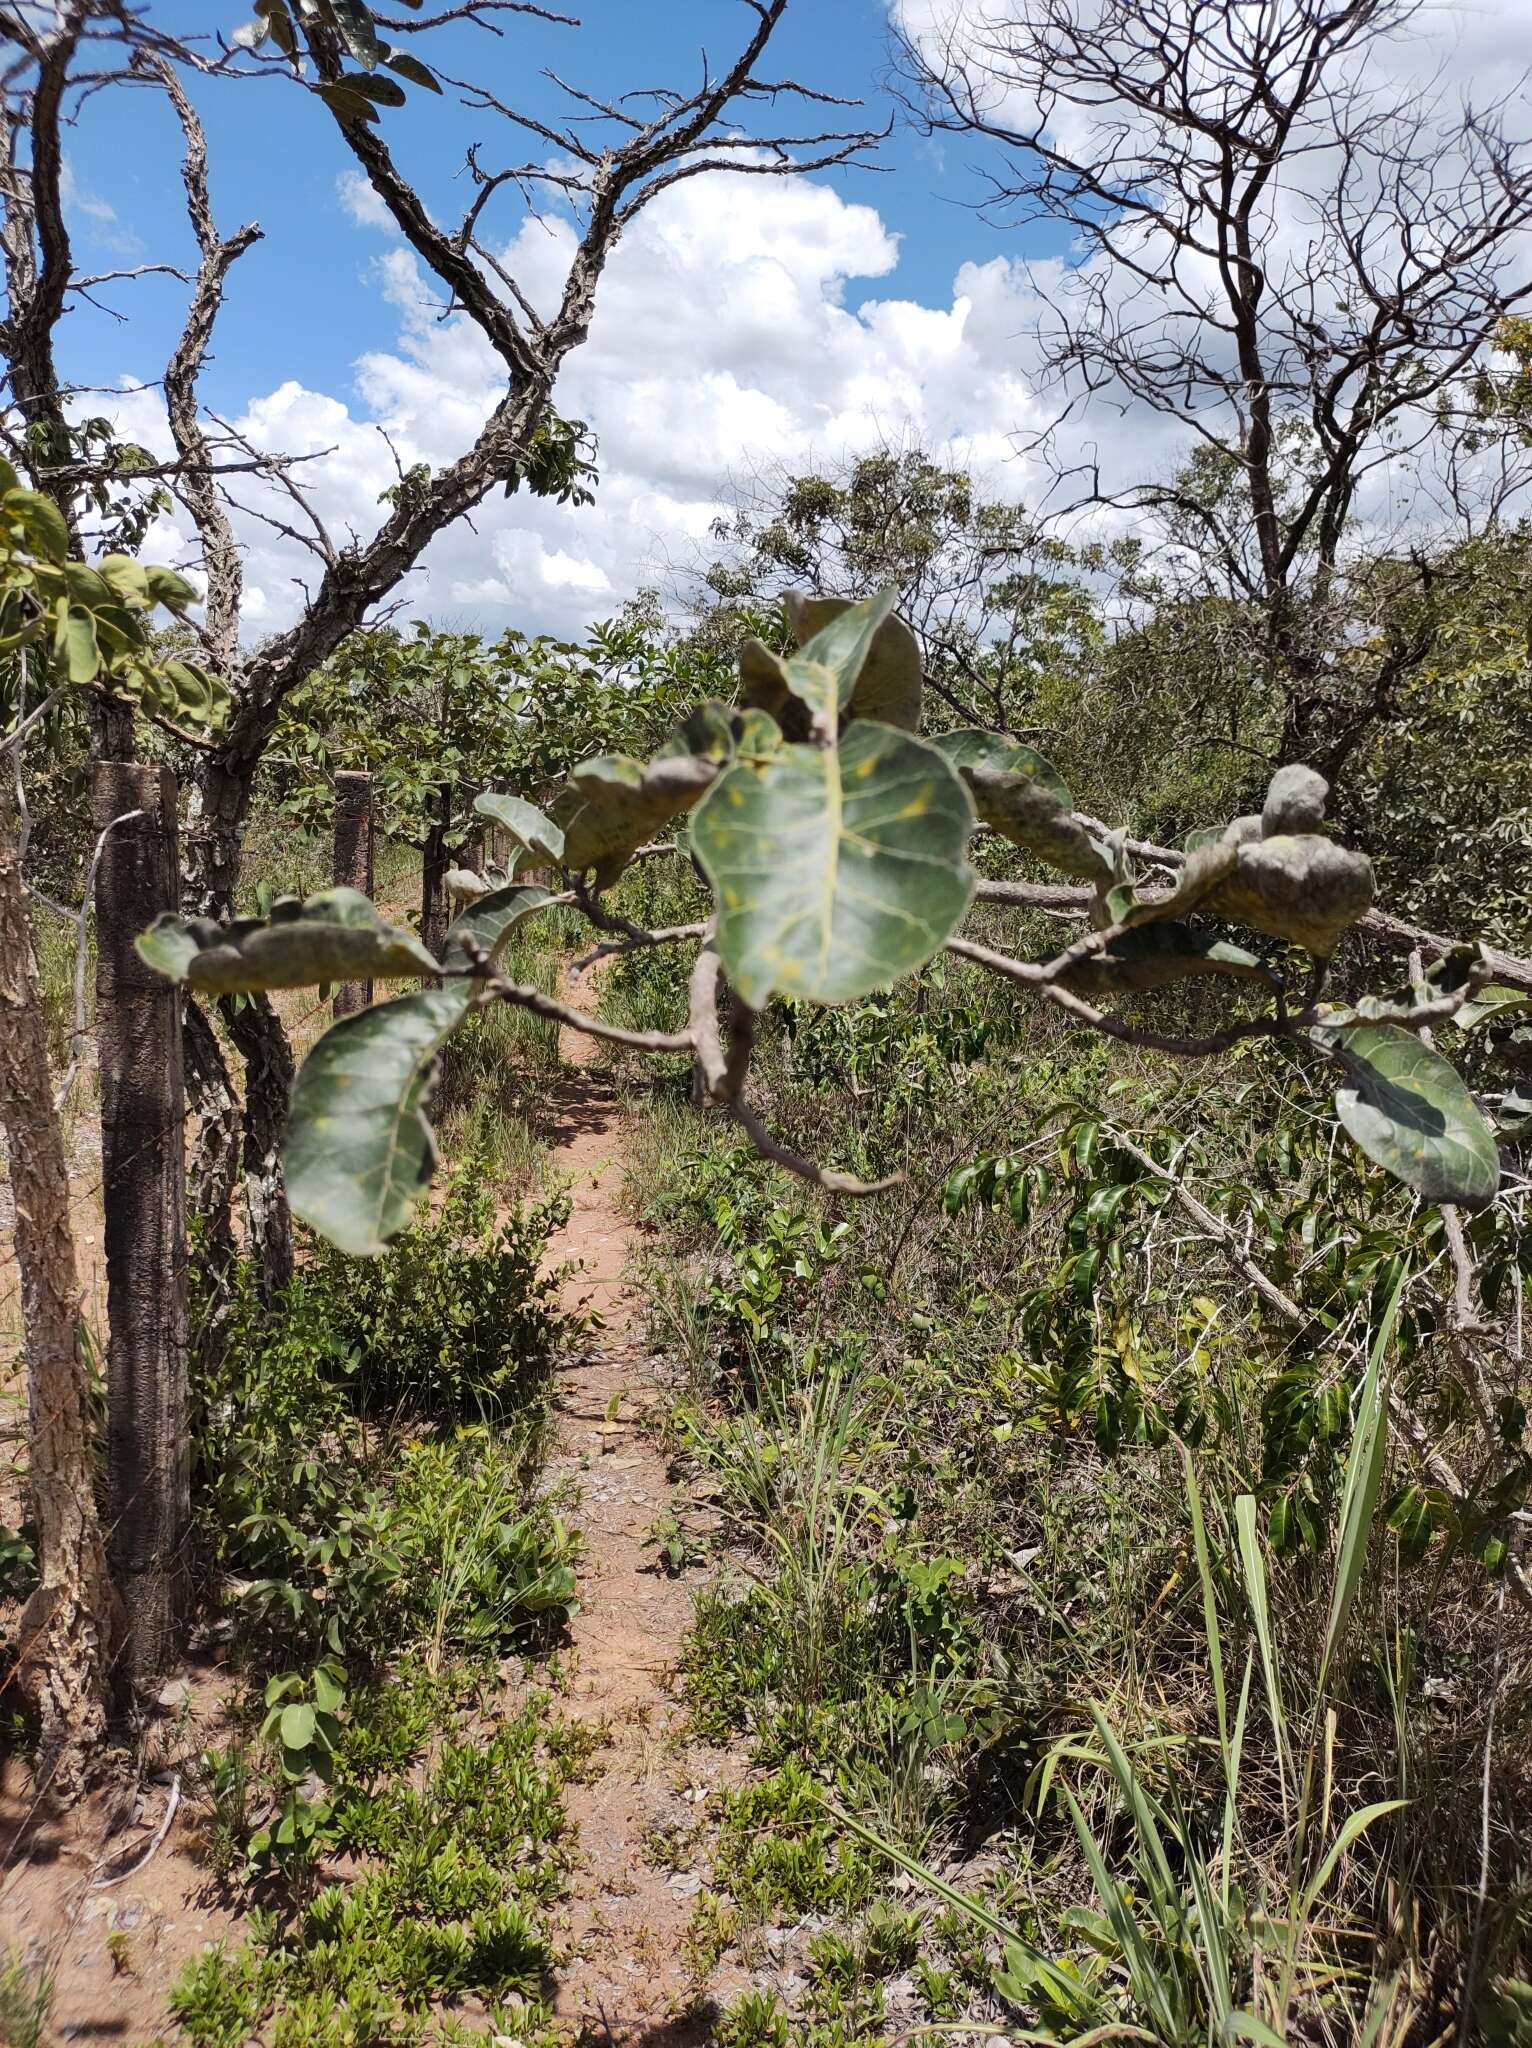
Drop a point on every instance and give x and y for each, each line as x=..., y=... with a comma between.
x=834, y=840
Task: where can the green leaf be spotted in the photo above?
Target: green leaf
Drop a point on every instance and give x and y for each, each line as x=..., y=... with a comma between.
x=1513, y=1116
x=835, y=870
x=971, y=747
x=889, y=685
x=411, y=68
x=1032, y=815
x=527, y=825
x=824, y=672
x=1411, y=1114
x=1204, y=871
x=615, y=803
x=764, y=695
x=1249, y=2026
x=358, y=33
x=757, y=735
x=329, y=1693
x=163, y=586
x=463, y=885
x=1490, y=1005
x=194, y=695
x=42, y=519
x=344, y=103
x=1412, y=1518
x=710, y=733
x=490, y=921
x=1364, y=1478
x=297, y=1726
x=1297, y=887
x=359, y=1148
x=1155, y=955
x=382, y=91
x=1355, y=1826
x=169, y=946
x=129, y=579
x=278, y=20
x=333, y=937
x=81, y=652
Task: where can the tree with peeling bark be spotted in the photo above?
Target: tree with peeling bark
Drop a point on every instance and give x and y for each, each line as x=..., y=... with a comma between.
x=1303, y=261
x=64, y=628
x=69, y=1629
x=350, y=64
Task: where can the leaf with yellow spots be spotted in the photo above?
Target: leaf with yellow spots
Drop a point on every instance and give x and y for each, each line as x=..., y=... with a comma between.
x=359, y=1149
x=835, y=870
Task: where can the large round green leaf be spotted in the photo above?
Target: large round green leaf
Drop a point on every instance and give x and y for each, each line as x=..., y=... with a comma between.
x=1031, y=814
x=824, y=672
x=615, y=803
x=525, y=823
x=1410, y=1113
x=1296, y=886
x=835, y=869
x=491, y=919
x=359, y=1150
x=334, y=937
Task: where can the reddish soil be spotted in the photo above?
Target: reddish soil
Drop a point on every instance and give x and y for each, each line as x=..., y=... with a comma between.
x=55, y=1908
x=628, y=1980
x=115, y=1950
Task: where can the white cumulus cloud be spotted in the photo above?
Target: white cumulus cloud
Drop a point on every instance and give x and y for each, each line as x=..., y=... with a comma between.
x=722, y=344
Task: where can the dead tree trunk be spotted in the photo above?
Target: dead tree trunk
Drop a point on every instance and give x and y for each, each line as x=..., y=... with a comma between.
x=143, y=1177
x=353, y=865
x=70, y=1627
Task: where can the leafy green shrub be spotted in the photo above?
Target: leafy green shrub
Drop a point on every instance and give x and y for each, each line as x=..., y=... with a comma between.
x=457, y=1317
x=472, y=1858
x=780, y=1855
x=755, y=2020
x=336, y=1537
x=486, y=1572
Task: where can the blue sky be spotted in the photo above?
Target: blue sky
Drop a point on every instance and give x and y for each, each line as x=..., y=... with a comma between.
x=746, y=328
x=745, y=325
x=300, y=299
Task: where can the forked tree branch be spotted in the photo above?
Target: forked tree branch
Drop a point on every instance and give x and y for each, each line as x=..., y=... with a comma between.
x=196, y=487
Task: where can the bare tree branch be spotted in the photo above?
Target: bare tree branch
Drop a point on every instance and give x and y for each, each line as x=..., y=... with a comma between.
x=220, y=552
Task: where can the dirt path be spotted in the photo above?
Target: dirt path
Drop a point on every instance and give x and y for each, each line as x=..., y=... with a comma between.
x=628, y=1981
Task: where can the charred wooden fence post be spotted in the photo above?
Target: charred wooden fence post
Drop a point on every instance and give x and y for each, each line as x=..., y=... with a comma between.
x=353, y=865
x=433, y=872
x=143, y=1173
